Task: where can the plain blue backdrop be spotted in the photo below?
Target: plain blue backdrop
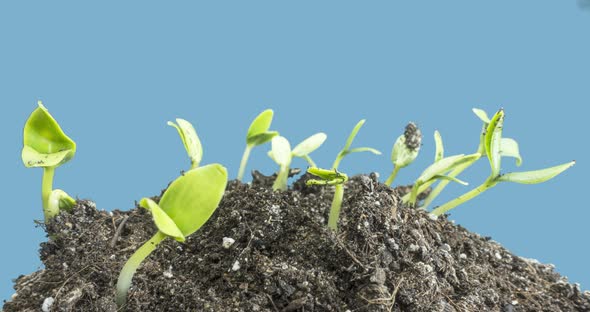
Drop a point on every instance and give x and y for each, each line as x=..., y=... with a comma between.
x=112, y=73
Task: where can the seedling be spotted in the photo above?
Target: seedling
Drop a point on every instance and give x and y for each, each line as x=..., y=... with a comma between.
x=186, y=205
x=495, y=149
x=47, y=146
x=190, y=140
x=258, y=134
x=333, y=177
x=282, y=148
x=330, y=177
x=405, y=150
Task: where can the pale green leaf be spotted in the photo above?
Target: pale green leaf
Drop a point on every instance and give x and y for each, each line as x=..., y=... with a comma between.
x=445, y=165
x=327, y=176
x=58, y=200
x=281, y=151
x=163, y=222
x=440, y=150
x=192, y=198
x=481, y=114
x=189, y=138
x=309, y=145
x=448, y=178
x=44, y=142
x=261, y=138
x=535, y=176
x=401, y=155
x=364, y=149
x=353, y=134
x=509, y=148
x=493, y=139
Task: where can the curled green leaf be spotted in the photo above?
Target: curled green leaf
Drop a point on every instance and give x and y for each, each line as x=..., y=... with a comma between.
x=440, y=150
x=164, y=223
x=258, y=131
x=509, y=148
x=191, y=141
x=493, y=140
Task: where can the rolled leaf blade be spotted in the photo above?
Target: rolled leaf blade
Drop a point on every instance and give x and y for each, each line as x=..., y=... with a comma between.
x=493, y=139
x=365, y=149
x=448, y=178
x=192, y=198
x=309, y=145
x=260, y=124
x=190, y=140
x=535, y=176
x=163, y=222
x=509, y=148
x=445, y=165
x=353, y=134
x=440, y=150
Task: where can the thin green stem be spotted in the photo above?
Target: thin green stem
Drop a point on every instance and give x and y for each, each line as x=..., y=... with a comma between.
x=443, y=183
x=46, y=188
x=489, y=183
x=244, y=161
x=126, y=275
x=309, y=161
x=336, y=204
x=281, y=181
x=392, y=176
x=338, y=159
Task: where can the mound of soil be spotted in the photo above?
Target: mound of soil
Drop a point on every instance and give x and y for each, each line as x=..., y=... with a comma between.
x=271, y=251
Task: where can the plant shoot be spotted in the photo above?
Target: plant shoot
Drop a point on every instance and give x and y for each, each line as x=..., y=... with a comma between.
x=281, y=154
x=495, y=148
x=48, y=147
x=190, y=140
x=330, y=177
x=405, y=150
x=258, y=134
x=186, y=205
x=347, y=150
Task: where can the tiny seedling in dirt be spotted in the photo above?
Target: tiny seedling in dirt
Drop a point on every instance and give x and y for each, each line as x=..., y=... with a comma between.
x=190, y=140
x=186, y=205
x=494, y=150
x=258, y=134
x=284, y=155
x=48, y=147
x=330, y=177
x=405, y=150
x=338, y=182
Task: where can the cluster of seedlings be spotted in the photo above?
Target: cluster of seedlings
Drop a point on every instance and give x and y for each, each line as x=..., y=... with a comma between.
x=191, y=199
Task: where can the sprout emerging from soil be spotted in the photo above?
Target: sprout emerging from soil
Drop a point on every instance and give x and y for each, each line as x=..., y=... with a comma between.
x=186, y=205
x=330, y=177
x=347, y=150
x=190, y=140
x=47, y=146
x=495, y=148
x=282, y=154
x=405, y=150
x=258, y=134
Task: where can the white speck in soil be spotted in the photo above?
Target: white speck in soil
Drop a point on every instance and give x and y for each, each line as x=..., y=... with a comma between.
x=446, y=247
x=65, y=265
x=168, y=273
x=514, y=302
x=462, y=256
x=432, y=217
x=47, y=303
x=413, y=248
x=236, y=266
x=227, y=242
x=498, y=256
x=113, y=257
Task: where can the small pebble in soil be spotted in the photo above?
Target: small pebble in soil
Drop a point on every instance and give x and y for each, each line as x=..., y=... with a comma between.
x=227, y=242
x=47, y=303
x=236, y=266
x=168, y=273
x=498, y=256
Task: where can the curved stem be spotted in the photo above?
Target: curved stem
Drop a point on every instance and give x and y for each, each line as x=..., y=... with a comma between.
x=46, y=188
x=489, y=183
x=309, y=161
x=392, y=176
x=335, y=209
x=126, y=275
x=443, y=183
x=244, y=161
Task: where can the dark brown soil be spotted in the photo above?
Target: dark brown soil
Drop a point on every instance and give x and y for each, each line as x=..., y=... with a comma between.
x=385, y=257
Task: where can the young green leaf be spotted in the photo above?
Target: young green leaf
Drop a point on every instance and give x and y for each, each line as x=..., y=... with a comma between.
x=493, y=141
x=330, y=177
x=440, y=150
x=60, y=200
x=481, y=114
x=405, y=150
x=309, y=145
x=509, y=148
x=46, y=145
x=258, y=134
x=445, y=165
x=281, y=154
x=191, y=141
x=346, y=149
x=186, y=205
x=535, y=176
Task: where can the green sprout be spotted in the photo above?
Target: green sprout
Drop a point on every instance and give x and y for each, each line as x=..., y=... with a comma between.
x=190, y=140
x=330, y=177
x=282, y=154
x=495, y=147
x=258, y=134
x=333, y=177
x=186, y=205
x=48, y=147
x=405, y=150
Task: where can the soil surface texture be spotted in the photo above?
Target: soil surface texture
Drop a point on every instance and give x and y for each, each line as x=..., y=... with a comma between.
x=272, y=252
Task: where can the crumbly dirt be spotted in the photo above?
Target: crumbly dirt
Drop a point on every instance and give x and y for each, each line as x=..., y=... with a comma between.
x=385, y=257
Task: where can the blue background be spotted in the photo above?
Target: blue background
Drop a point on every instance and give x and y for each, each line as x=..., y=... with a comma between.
x=113, y=73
